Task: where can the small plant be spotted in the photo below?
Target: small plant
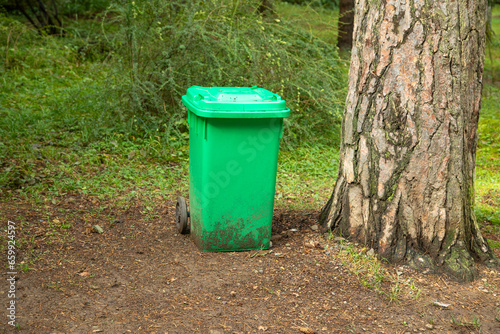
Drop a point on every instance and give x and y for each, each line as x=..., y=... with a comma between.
x=373, y=275
x=474, y=323
x=24, y=267
x=54, y=285
x=415, y=290
x=394, y=293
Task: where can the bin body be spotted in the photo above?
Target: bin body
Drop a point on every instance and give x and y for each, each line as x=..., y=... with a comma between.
x=234, y=136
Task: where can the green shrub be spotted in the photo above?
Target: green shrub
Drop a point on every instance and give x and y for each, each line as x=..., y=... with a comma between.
x=162, y=48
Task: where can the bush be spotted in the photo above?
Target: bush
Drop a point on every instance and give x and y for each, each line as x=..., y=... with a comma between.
x=162, y=48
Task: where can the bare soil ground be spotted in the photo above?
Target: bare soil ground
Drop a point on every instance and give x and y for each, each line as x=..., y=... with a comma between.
x=141, y=276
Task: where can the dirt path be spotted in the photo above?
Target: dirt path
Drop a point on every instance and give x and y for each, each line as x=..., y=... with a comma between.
x=139, y=276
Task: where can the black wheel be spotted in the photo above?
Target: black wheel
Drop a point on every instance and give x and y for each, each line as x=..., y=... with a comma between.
x=181, y=216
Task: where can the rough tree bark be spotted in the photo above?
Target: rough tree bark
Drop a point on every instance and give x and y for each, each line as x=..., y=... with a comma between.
x=406, y=177
x=346, y=24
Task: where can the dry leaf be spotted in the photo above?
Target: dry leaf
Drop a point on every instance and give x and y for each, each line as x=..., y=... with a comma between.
x=97, y=229
x=88, y=229
x=307, y=330
x=262, y=328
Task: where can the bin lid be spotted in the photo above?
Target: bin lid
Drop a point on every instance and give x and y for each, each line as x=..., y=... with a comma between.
x=234, y=102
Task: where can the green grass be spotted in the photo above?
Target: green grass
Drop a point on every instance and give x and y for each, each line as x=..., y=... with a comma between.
x=59, y=136
x=474, y=323
x=487, y=202
x=306, y=177
x=373, y=275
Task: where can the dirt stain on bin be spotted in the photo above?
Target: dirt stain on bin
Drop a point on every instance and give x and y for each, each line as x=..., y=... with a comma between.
x=236, y=234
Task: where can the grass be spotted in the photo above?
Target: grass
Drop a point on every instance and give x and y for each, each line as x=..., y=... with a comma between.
x=473, y=323
x=306, y=174
x=372, y=274
x=58, y=138
x=487, y=202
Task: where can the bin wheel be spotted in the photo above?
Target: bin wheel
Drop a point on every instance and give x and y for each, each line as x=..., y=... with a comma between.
x=181, y=216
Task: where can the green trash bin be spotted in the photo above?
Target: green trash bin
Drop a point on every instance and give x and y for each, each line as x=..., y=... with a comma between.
x=234, y=135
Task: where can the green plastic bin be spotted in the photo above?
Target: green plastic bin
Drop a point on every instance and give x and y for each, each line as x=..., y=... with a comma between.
x=234, y=135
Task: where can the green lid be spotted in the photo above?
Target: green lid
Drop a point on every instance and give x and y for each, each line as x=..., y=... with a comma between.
x=234, y=102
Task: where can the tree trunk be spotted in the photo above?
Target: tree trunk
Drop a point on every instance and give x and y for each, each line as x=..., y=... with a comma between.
x=409, y=134
x=346, y=24
x=45, y=18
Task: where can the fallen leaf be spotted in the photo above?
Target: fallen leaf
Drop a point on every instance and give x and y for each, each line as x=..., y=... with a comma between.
x=98, y=229
x=262, y=328
x=307, y=330
x=88, y=229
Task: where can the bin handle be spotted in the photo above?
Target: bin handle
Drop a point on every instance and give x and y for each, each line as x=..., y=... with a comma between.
x=205, y=128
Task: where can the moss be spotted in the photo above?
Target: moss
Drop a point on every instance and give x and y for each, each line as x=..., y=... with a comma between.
x=400, y=249
x=460, y=265
x=392, y=189
x=374, y=156
x=420, y=262
x=376, y=3
x=449, y=239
